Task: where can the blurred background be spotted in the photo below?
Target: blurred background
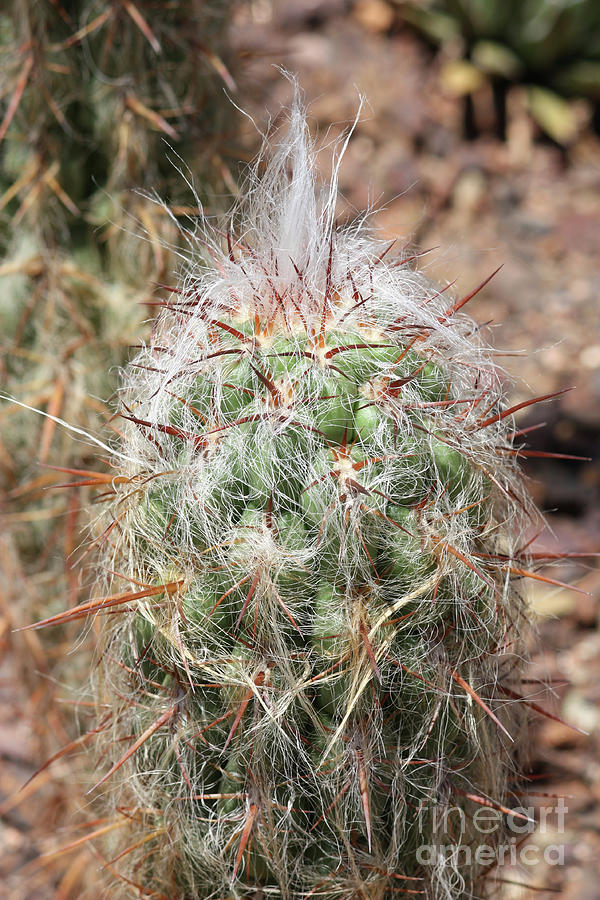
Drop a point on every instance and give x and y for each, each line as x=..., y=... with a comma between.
x=478, y=142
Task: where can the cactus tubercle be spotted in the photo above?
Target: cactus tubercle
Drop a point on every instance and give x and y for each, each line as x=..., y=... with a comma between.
x=319, y=514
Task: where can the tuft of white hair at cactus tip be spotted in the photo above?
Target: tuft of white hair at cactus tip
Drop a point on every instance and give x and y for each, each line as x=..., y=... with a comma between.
x=311, y=657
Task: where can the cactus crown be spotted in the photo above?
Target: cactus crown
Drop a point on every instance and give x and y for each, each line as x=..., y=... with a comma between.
x=317, y=509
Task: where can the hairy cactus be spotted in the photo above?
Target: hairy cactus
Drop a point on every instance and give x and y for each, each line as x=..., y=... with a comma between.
x=312, y=622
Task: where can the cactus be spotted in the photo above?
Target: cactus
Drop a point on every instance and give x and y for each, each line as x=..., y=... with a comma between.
x=80, y=135
x=90, y=90
x=312, y=610
x=89, y=93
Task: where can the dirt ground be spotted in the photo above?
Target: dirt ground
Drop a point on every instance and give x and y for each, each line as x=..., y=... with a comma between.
x=525, y=204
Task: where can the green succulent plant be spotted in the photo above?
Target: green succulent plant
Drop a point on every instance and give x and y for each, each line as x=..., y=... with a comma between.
x=552, y=46
x=313, y=603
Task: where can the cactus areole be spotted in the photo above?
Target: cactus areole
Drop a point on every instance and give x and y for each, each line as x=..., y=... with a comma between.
x=313, y=531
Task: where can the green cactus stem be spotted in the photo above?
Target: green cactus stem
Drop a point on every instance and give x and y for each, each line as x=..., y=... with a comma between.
x=315, y=599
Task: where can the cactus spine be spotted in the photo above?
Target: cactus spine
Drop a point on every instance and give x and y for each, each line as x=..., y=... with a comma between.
x=314, y=533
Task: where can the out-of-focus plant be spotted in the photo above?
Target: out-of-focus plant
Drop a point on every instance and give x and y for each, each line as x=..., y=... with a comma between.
x=551, y=46
x=90, y=92
x=99, y=101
